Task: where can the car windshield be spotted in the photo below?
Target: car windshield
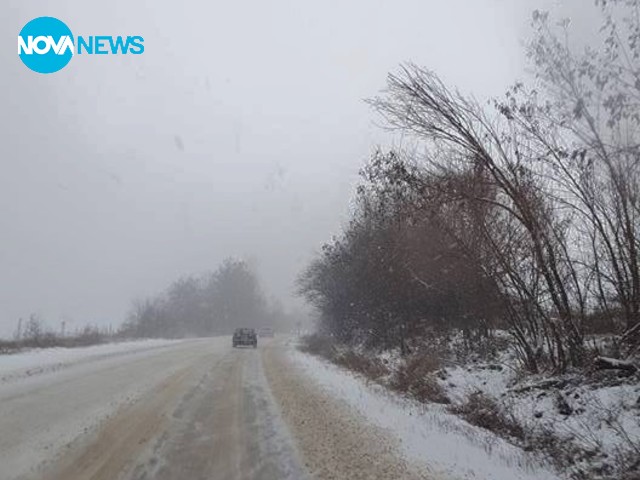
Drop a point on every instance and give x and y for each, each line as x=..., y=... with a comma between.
x=289, y=240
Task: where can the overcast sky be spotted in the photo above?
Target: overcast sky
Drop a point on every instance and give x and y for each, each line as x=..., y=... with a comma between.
x=239, y=131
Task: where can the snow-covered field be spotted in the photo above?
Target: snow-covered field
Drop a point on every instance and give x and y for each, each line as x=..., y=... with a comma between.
x=427, y=433
x=32, y=362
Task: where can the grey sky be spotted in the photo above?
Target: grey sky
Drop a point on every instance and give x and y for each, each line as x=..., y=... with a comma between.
x=240, y=131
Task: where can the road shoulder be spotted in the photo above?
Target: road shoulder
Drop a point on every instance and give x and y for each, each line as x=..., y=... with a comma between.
x=335, y=441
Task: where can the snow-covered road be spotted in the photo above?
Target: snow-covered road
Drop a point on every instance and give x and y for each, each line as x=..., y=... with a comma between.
x=53, y=401
x=199, y=409
x=176, y=409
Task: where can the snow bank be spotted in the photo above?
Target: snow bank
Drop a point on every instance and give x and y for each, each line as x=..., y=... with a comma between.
x=428, y=434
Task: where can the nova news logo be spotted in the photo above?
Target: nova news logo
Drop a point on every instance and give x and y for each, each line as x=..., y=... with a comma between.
x=46, y=45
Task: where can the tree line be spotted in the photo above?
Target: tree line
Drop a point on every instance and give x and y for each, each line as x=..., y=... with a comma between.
x=210, y=304
x=521, y=214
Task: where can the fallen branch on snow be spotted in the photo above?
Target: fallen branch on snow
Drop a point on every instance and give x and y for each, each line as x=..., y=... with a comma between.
x=604, y=363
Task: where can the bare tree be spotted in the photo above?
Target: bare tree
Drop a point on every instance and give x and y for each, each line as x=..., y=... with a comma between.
x=583, y=124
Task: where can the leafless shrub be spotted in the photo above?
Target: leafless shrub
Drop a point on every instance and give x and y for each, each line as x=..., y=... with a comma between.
x=581, y=456
x=627, y=465
x=416, y=377
x=368, y=365
x=482, y=411
x=325, y=346
x=318, y=344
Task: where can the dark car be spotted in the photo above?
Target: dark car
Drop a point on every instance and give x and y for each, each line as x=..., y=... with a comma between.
x=246, y=337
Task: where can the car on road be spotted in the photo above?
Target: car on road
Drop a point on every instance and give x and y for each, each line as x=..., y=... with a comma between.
x=266, y=332
x=245, y=337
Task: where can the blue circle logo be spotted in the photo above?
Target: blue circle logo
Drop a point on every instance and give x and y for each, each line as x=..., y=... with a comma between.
x=45, y=45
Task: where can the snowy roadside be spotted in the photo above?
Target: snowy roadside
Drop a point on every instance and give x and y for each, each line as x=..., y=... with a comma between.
x=596, y=419
x=335, y=441
x=28, y=363
x=427, y=434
